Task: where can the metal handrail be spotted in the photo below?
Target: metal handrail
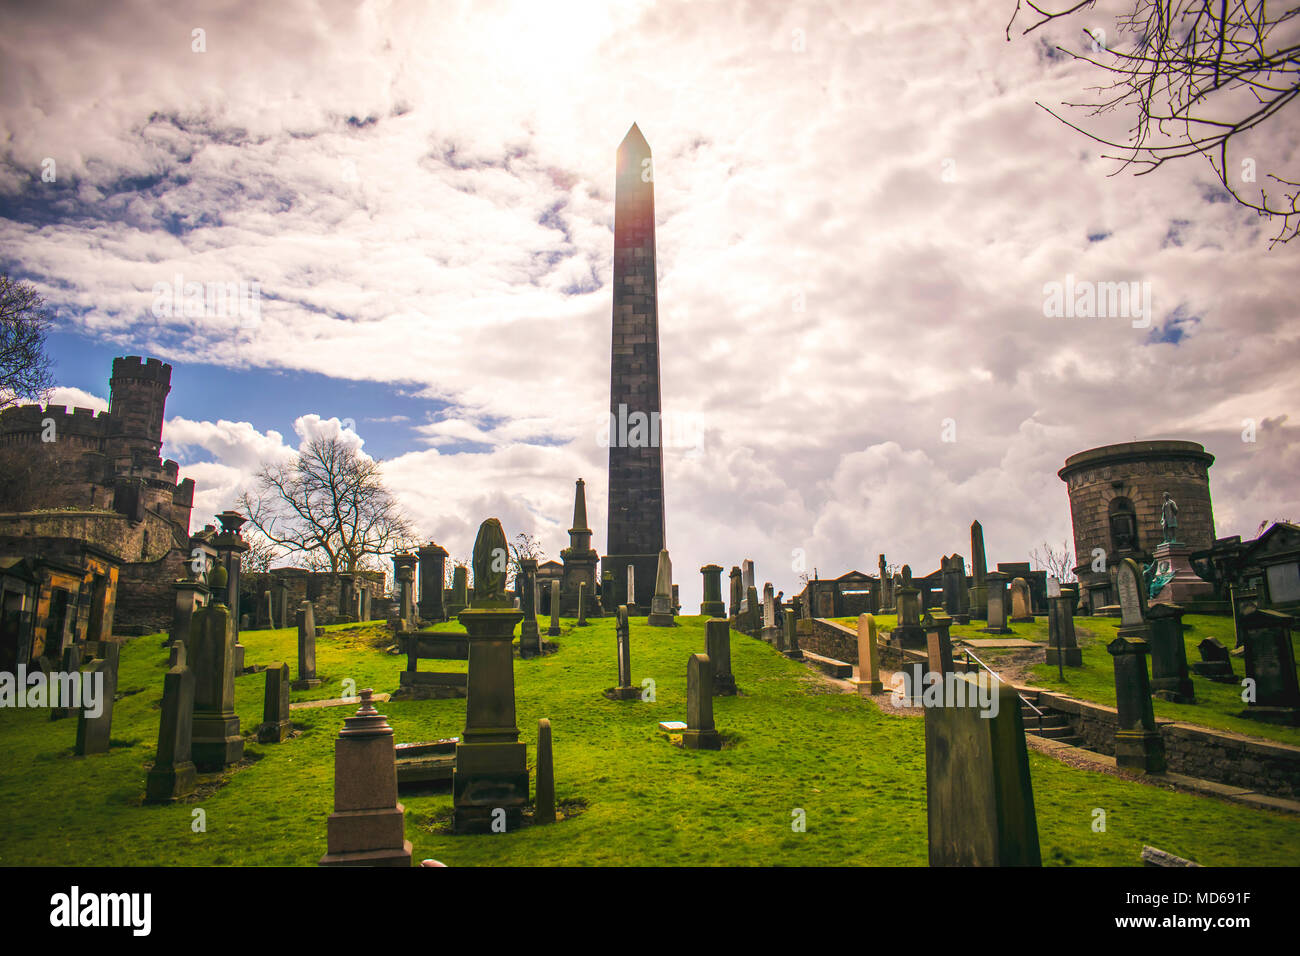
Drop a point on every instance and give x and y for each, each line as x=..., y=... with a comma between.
x=1040, y=714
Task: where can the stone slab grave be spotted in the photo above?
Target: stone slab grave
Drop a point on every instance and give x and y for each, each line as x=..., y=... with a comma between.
x=829, y=666
x=93, y=731
x=367, y=827
x=425, y=764
x=415, y=684
x=1008, y=643
x=979, y=798
x=1215, y=663
x=338, y=702
x=173, y=774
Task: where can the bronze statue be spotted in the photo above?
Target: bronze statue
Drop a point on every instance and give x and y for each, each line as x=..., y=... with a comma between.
x=1169, y=519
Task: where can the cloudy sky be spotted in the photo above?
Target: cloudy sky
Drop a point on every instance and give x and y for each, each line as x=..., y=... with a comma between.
x=859, y=209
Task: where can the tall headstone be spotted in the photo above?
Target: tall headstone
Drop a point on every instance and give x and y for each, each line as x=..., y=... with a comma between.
x=1061, y=639
x=753, y=616
x=1170, y=679
x=459, y=590
x=582, y=605
x=868, y=664
x=544, y=802
x=700, y=734
x=661, y=605
x=636, y=473
x=790, y=637
x=979, y=599
x=189, y=595
x=717, y=640
x=367, y=825
x=216, y=742
x=530, y=638
x=631, y=588
x=1138, y=744
x=433, y=571
x=579, y=559
x=173, y=774
x=995, y=597
x=623, y=651
x=554, y=629
x=886, y=586
x=93, y=732
x=268, y=610
x=746, y=584
x=404, y=572
x=1270, y=665
x=1022, y=609
x=491, y=772
x=306, y=621
x=736, y=597
x=979, y=797
x=908, y=633
x=276, y=726
x=769, y=632
x=711, y=605
x=230, y=548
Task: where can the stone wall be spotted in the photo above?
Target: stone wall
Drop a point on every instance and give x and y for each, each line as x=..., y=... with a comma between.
x=1217, y=755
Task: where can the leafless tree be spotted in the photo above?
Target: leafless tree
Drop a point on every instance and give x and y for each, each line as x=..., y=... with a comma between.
x=24, y=363
x=328, y=507
x=261, y=553
x=524, y=546
x=1197, y=76
x=1268, y=523
x=1057, y=564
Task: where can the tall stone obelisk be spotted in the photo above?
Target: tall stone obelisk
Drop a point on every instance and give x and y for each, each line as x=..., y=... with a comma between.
x=636, y=468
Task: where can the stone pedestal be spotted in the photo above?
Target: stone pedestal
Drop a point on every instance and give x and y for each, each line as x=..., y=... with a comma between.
x=908, y=633
x=491, y=765
x=711, y=605
x=717, y=637
x=366, y=827
x=1138, y=744
x=996, y=603
x=1185, y=585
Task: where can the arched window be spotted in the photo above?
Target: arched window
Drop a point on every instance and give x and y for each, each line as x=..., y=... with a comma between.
x=1123, y=525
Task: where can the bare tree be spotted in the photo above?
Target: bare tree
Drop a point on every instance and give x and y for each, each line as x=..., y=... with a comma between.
x=1269, y=522
x=1197, y=76
x=328, y=507
x=524, y=546
x=261, y=553
x=24, y=363
x=1057, y=564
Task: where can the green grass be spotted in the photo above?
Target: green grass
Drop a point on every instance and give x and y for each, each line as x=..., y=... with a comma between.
x=859, y=775
x=1217, y=705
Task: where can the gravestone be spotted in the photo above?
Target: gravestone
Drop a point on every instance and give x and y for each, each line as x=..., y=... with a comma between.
x=623, y=650
x=631, y=588
x=582, y=605
x=71, y=665
x=1022, y=608
x=868, y=665
x=554, y=629
x=268, y=610
x=661, y=605
x=459, y=591
x=173, y=774
x=711, y=605
x=306, y=620
x=938, y=651
x=736, y=596
x=367, y=825
x=979, y=599
x=1061, y=640
x=769, y=633
x=700, y=734
x=886, y=586
x=677, y=602
x=790, y=643
x=1270, y=665
x=1215, y=663
x=995, y=597
x=1132, y=596
x=1138, y=744
x=1169, y=677
x=544, y=803
x=746, y=585
x=491, y=773
x=276, y=726
x=717, y=637
x=189, y=594
x=908, y=633
x=216, y=742
x=530, y=638
x=93, y=732
x=433, y=571
x=979, y=797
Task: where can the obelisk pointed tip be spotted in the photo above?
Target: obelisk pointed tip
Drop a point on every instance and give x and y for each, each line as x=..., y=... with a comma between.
x=635, y=140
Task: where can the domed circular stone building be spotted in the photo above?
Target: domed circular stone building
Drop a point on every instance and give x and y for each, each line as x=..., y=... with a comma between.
x=1116, y=493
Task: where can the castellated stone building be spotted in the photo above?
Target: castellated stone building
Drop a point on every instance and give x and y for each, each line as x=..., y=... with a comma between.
x=1116, y=493
x=76, y=478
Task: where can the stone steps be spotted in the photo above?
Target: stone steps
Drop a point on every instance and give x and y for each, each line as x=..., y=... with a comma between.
x=1052, y=725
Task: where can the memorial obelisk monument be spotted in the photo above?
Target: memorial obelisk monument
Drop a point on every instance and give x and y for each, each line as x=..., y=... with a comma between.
x=636, y=467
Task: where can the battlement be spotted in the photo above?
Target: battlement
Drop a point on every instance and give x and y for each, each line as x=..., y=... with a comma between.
x=30, y=420
x=141, y=369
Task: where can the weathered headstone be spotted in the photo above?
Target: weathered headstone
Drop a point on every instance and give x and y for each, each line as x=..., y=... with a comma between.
x=544, y=803
x=868, y=665
x=717, y=637
x=1215, y=663
x=623, y=650
x=938, y=651
x=93, y=732
x=530, y=637
x=459, y=590
x=433, y=571
x=1022, y=609
x=769, y=632
x=554, y=629
x=746, y=583
x=711, y=605
x=700, y=734
x=1132, y=594
x=908, y=634
x=490, y=781
x=886, y=586
x=367, y=825
x=582, y=605
x=995, y=597
x=979, y=599
x=217, y=742
x=1169, y=677
x=268, y=610
x=173, y=774
x=189, y=594
x=71, y=665
x=979, y=797
x=736, y=596
x=661, y=605
x=276, y=726
x=752, y=618
x=1061, y=639
x=306, y=620
x=790, y=640
x=1270, y=666
x=1138, y=744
